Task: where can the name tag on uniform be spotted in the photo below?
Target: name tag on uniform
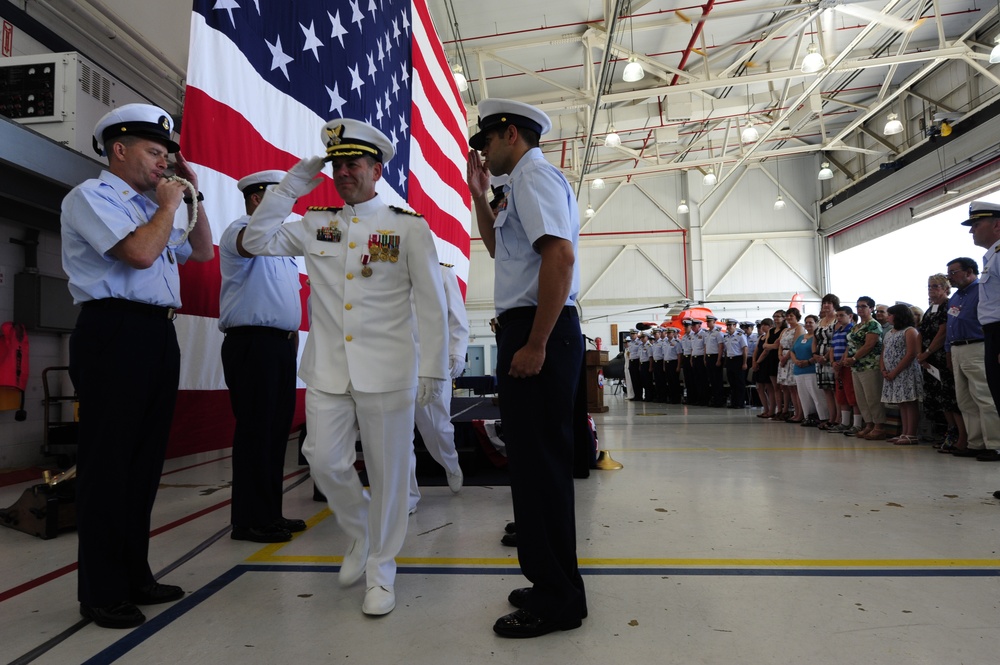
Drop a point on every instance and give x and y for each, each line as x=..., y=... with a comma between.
x=954, y=310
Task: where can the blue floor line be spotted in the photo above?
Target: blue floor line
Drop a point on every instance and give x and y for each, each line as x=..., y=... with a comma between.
x=189, y=602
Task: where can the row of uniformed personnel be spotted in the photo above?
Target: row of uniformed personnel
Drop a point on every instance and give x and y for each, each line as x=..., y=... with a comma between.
x=658, y=359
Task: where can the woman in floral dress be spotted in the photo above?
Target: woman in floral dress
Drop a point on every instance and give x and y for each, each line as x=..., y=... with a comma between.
x=903, y=381
x=939, y=387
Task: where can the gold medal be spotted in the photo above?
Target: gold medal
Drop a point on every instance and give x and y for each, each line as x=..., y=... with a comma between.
x=366, y=271
x=394, y=252
x=384, y=255
x=393, y=257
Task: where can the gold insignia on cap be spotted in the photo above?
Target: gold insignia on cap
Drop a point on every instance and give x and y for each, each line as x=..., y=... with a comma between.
x=335, y=135
x=165, y=122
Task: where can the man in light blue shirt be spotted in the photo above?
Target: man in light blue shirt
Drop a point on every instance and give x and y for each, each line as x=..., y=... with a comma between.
x=533, y=239
x=260, y=312
x=120, y=250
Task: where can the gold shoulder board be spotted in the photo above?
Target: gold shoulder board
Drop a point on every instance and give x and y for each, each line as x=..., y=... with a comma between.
x=404, y=211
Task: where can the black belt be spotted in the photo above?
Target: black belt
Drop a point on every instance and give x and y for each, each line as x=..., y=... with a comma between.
x=521, y=313
x=260, y=330
x=963, y=342
x=121, y=304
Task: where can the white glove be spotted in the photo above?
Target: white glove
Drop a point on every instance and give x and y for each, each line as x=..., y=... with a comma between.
x=456, y=365
x=301, y=178
x=428, y=390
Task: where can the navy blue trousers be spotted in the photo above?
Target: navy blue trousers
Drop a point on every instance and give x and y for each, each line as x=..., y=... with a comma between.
x=125, y=366
x=537, y=419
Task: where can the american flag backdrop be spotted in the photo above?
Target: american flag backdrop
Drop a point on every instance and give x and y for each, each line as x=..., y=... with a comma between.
x=263, y=78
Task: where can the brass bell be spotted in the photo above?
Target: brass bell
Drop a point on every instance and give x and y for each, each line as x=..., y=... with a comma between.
x=605, y=462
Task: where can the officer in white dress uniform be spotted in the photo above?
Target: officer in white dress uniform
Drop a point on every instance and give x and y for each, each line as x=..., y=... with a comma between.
x=434, y=420
x=360, y=363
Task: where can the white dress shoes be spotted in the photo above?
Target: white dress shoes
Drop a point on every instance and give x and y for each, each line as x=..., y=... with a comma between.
x=455, y=480
x=379, y=600
x=353, y=566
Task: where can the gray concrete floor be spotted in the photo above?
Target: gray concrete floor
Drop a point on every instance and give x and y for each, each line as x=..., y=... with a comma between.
x=726, y=539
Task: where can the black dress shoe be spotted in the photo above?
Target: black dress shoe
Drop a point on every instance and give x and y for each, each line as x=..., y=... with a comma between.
x=261, y=534
x=996, y=495
x=522, y=623
x=988, y=455
x=509, y=539
x=519, y=599
x=967, y=452
x=156, y=593
x=291, y=525
x=122, y=615
x=510, y=528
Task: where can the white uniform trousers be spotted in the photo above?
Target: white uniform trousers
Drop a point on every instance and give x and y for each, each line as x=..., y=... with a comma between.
x=973, y=396
x=438, y=433
x=386, y=424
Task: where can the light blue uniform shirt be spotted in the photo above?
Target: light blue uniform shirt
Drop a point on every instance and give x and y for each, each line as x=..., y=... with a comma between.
x=658, y=349
x=671, y=347
x=989, y=287
x=539, y=202
x=262, y=291
x=96, y=216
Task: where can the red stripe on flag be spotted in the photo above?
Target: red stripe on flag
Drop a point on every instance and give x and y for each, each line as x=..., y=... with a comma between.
x=442, y=107
x=444, y=225
x=451, y=174
x=224, y=141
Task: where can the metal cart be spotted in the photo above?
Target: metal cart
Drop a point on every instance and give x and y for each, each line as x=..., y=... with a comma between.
x=60, y=435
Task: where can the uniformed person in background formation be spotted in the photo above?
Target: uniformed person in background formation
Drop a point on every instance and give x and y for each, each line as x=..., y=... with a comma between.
x=684, y=362
x=534, y=238
x=434, y=420
x=671, y=359
x=714, y=363
x=627, y=350
x=734, y=345
x=699, y=370
x=645, y=370
x=984, y=225
x=120, y=250
x=659, y=374
x=635, y=367
x=260, y=312
x=360, y=363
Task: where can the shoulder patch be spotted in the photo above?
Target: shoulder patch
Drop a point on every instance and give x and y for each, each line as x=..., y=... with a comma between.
x=404, y=211
x=323, y=209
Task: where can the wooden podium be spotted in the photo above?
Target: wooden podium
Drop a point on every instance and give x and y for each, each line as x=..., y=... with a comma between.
x=594, y=362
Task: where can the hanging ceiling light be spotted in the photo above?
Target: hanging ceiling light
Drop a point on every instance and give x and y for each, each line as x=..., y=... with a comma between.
x=709, y=180
x=597, y=183
x=995, y=53
x=633, y=71
x=590, y=212
x=893, y=126
x=612, y=140
x=813, y=62
x=749, y=133
x=460, y=80
x=779, y=203
x=683, y=208
x=824, y=172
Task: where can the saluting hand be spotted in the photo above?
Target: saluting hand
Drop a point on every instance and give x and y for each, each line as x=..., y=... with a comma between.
x=477, y=175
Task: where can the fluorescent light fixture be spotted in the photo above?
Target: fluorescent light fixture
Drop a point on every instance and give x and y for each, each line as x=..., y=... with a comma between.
x=995, y=53
x=589, y=212
x=460, y=80
x=710, y=179
x=597, y=183
x=779, y=203
x=749, y=133
x=813, y=62
x=612, y=140
x=893, y=126
x=683, y=208
x=633, y=71
x=824, y=172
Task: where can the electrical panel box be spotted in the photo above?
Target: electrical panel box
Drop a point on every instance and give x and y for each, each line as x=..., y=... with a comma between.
x=43, y=303
x=61, y=95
